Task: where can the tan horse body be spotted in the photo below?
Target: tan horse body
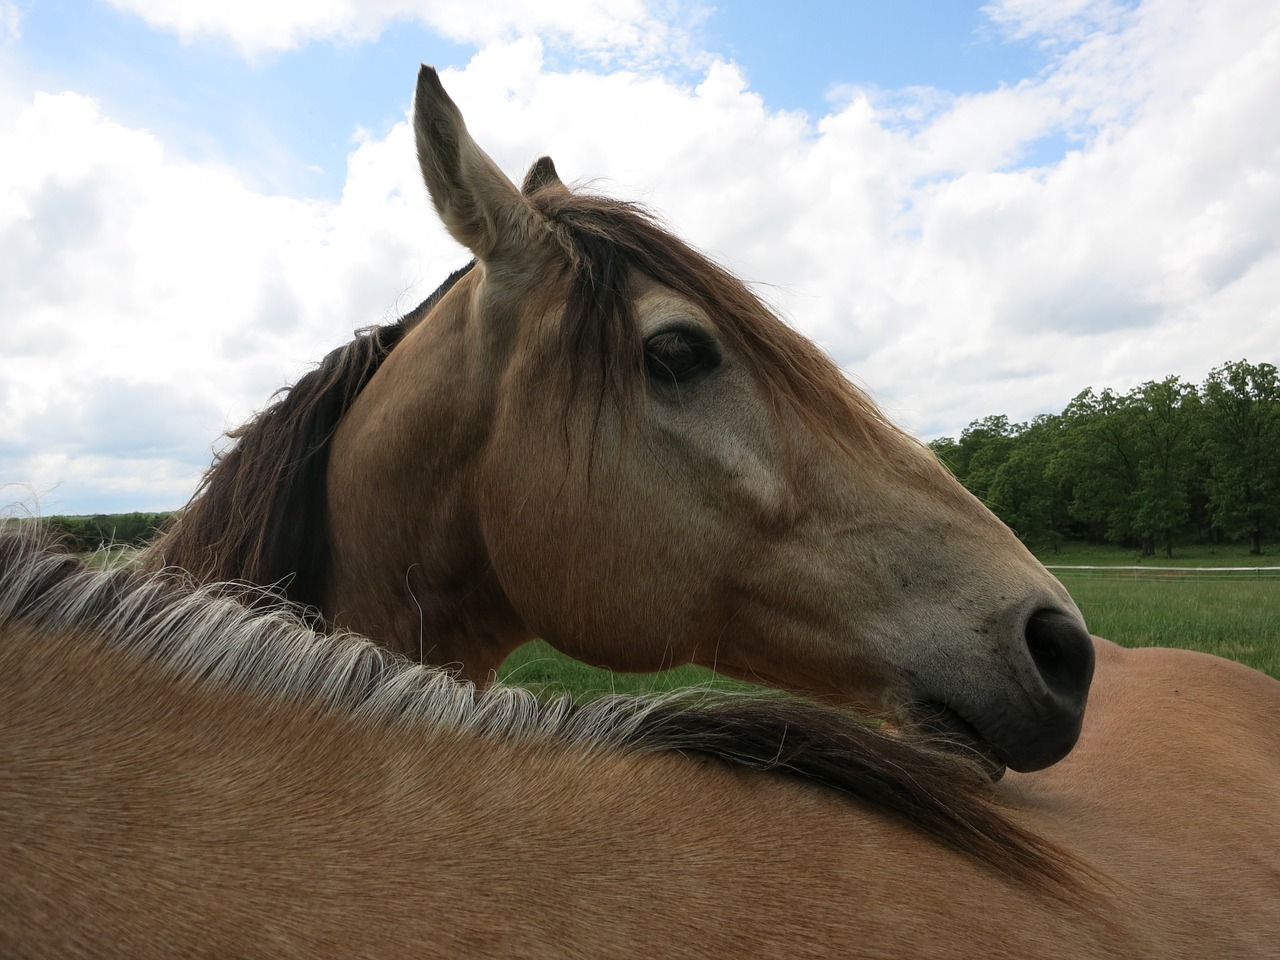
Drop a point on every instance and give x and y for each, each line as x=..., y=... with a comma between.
x=1174, y=791
x=597, y=436
x=221, y=797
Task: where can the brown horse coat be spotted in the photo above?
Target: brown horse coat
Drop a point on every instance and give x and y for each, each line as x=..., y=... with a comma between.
x=226, y=796
x=1174, y=790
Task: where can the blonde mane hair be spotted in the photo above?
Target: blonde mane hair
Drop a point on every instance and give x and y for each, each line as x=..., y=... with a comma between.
x=210, y=636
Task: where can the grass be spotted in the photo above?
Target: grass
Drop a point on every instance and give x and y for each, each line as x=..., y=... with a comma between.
x=108, y=558
x=1234, y=618
x=548, y=672
x=1238, y=619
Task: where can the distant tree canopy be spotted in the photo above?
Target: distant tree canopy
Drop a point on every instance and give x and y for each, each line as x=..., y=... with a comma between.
x=1165, y=462
x=89, y=533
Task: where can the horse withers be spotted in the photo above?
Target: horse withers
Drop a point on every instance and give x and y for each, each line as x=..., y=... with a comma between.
x=595, y=435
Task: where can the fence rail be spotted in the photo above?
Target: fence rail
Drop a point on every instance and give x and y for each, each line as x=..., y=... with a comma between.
x=1146, y=572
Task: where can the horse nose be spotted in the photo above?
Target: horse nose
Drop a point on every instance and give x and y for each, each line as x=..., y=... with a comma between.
x=1062, y=652
x=1059, y=669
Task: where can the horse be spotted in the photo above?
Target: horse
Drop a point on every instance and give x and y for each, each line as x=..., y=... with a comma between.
x=1174, y=789
x=183, y=774
x=595, y=435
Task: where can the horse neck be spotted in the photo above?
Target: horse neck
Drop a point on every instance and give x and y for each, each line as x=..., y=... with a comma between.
x=409, y=562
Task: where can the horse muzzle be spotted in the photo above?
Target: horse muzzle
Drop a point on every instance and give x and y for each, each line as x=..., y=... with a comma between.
x=1034, y=718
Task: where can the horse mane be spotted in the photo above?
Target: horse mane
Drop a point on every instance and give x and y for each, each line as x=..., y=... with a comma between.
x=260, y=513
x=205, y=635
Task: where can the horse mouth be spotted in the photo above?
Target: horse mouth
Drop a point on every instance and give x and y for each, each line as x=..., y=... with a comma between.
x=948, y=731
x=937, y=724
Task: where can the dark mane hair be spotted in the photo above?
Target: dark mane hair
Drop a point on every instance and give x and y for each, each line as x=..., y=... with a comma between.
x=204, y=635
x=259, y=513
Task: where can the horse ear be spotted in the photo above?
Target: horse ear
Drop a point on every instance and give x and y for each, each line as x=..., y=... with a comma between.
x=541, y=174
x=480, y=207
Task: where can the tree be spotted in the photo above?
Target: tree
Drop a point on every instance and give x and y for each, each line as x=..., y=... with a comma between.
x=1167, y=437
x=1097, y=460
x=1130, y=461
x=1161, y=462
x=1025, y=494
x=1242, y=416
x=983, y=446
x=84, y=534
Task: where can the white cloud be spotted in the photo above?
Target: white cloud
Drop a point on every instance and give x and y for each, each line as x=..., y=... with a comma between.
x=161, y=291
x=1056, y=22
x=10, y=22
x=611, y=31
x=908, y=241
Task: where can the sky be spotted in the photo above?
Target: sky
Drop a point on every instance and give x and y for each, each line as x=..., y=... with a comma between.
x=974, y=208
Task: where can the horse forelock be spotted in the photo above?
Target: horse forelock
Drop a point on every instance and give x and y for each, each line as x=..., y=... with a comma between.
x=222, y=637
x=606, y=239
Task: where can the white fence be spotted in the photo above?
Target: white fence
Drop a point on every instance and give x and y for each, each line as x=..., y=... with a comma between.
x=1146, y=572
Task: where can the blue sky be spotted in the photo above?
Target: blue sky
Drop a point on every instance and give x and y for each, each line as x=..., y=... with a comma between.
x=976, y=209
x=287, y=118
x=795, y=53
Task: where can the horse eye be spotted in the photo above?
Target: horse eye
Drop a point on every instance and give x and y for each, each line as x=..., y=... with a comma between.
x=678, y=355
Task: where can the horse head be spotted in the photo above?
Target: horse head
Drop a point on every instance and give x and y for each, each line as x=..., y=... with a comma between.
x=600, y=437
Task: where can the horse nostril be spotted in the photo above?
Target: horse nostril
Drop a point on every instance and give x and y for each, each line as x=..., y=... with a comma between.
x=1062, y=651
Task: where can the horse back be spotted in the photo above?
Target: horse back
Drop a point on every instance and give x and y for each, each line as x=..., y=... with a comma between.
x=1175, y=787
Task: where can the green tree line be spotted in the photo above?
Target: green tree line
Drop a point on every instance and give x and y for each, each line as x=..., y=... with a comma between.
x=1168, y=462
x=89, y=533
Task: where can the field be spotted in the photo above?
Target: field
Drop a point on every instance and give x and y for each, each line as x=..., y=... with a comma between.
x=541, y=667
x=1229, y=618
x=1184, y=555
x=1230, y=615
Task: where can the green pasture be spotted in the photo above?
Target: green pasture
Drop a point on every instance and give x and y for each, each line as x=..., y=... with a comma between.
x=1230, y=614
x=1235, y=616
x=1184, y=555
x=540, y=667
x=1239, y=619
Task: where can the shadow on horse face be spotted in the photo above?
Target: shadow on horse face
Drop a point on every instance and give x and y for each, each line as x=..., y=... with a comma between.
x=598, y=436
